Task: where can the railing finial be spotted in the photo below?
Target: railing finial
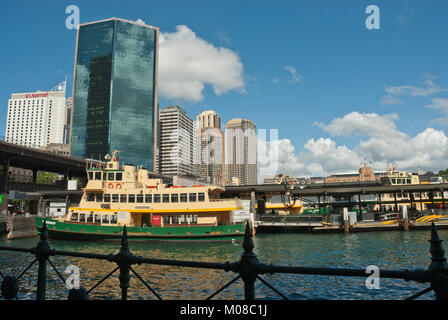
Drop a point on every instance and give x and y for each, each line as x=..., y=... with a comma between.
x=248, y=243
x=437, y=251
x=124, y=239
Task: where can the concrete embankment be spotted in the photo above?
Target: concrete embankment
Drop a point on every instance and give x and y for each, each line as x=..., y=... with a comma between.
x=19, y=227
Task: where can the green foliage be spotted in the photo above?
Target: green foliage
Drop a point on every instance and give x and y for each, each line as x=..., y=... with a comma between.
x=46, y=177
x=443, y=172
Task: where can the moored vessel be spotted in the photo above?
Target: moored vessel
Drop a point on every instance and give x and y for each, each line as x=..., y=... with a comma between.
x=116, y=196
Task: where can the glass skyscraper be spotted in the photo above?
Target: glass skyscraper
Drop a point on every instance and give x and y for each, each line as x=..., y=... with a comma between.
x=115, y=91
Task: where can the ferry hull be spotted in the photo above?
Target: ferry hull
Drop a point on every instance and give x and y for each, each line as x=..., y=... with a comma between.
x=79, y=231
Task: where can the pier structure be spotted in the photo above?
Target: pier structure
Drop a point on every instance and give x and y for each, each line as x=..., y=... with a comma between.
x=247, y=269
x=366, y=201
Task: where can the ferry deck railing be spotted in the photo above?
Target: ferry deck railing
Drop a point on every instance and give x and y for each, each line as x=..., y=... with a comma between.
x=248, y=268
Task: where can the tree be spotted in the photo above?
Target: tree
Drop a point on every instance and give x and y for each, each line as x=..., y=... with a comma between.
x=46, y=177
x=443, y=172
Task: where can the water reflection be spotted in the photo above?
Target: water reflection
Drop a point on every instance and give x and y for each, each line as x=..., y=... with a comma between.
x=388, y=250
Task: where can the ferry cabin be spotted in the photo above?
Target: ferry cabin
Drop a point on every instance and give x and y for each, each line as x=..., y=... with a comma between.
x=122, y=196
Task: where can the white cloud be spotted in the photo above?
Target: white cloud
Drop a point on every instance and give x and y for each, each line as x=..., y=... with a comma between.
x=381, y=142
x=188, y=63
x=295, y=77
x=356, y=123
x=413, y=91
x=390, y=99
x=140, y=21
x=441, y=105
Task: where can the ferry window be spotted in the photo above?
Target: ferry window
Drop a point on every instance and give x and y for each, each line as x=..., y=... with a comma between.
x=99, y=197
x=82, y=217
x=106, y=198
x=394, y=181
x=140, y=198
x=106, y=218
x=165, y=198
x=201, y=196
x=113, y=219
x=157, y=198
x=74, y=216
x=175, y=219
x=90, y=197
x=97, y=218
x=97, y=175
x=148, y=198
x=131, y=198
x=90, y=217
x=183, y=197
x=409, y=181
x=115, y=198
x=119, y=176
x=183, y=219
x=166, y=220
x=123, y=198
x=174, y=197
x=90, y=175
x=110, y=176
x=192, y=197
x=193, y=218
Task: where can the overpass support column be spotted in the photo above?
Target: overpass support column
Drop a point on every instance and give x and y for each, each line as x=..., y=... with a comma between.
x=34, y=176
x=67, y=176
x=5, y=186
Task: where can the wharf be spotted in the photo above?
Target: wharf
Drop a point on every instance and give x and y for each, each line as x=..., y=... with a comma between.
x=378, y=226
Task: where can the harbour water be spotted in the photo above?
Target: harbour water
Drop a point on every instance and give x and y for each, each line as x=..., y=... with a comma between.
x=396, y=250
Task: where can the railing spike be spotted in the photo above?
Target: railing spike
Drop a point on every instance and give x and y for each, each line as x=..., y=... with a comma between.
x=437, y=251
x=248, y=243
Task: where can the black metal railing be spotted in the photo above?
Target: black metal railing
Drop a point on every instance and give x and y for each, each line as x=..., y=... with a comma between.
x=248, y=268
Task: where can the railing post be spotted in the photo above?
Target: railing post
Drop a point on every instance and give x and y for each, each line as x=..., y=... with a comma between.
x=438, y=267
x=42, y=252
x=247, y=265
x=124, y=265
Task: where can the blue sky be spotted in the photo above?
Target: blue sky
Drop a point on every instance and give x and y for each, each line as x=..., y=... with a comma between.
x=302, y=67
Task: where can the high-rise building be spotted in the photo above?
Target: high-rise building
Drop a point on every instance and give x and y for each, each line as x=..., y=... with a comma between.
x=241, y=151
x=68, y=120
x=176, y=142
x=36, y=119
x=115, y=91
x=209, y=148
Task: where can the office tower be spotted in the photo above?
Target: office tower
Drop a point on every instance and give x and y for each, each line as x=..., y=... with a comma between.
x=241, y=151
x=115, y=91
x=209, y=148
x=36, y=119
x=176, y=142
x=68, y=120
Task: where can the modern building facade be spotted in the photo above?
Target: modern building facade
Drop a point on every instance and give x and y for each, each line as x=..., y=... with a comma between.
x=68, y=121
x=115, y=91
x=36, y=119
x=176, y=142
x=241, y=151
x=209, y=150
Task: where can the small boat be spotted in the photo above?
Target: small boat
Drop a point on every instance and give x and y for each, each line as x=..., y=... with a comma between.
x=116, y=196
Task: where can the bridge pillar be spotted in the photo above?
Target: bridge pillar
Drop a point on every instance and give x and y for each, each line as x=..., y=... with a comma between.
x=34, y=176
x=67, y=176
x=5, y=185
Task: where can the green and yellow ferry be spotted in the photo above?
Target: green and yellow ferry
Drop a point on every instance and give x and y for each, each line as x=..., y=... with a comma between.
x=116, y=196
